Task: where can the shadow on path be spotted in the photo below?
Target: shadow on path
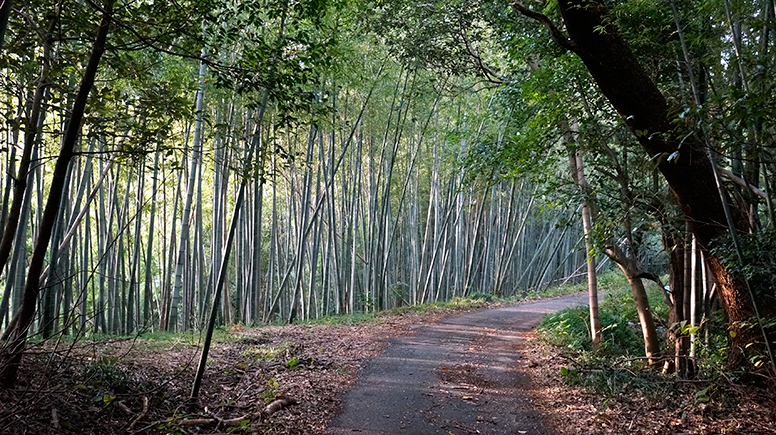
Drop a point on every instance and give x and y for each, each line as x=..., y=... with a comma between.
x=460, y=376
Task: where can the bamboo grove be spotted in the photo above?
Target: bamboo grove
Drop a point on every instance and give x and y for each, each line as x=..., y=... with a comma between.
x=299, y=159
x=359, y=203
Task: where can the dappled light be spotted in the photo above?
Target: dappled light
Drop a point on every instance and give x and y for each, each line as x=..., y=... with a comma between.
x=178, y=177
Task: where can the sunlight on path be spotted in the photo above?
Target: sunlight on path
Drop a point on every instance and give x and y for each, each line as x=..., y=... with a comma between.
x=461, y=376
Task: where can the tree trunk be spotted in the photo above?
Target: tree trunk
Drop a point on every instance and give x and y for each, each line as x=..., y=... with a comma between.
x=681, y=159
x=630, y=267
x=221, y=277
x=578, y=174
x=11, y=355
x=30, y=135
x=15, y=275
x=5, y=12
x=196, y=155
x=52, y=291
x=148, y=279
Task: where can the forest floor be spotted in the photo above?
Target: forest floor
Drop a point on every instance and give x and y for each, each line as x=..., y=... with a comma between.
x=142, y=385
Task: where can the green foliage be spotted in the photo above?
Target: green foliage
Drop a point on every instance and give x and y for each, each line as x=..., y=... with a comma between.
x=293, y=363
x=346, y=319
x=612, y=280
x=621, y=304
x=566, y=328
x=758, y=264
x=265, y=353
x=602, y=369
x=427, y=35
x=570, y=329
x=287, y=47
x=610, y=381
x=711, y=348
x=161, y=340
x=105, y=378
x=270, y=392
x=480, y=296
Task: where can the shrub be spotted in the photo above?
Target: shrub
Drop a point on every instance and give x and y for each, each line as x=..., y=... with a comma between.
x=570, y=328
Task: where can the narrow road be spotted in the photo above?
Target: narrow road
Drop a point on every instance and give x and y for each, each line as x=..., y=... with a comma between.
x=461, y=376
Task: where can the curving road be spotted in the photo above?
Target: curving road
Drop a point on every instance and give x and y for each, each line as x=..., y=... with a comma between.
x=460, y=376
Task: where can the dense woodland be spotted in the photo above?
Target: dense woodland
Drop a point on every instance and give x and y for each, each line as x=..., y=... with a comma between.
x=174, y=164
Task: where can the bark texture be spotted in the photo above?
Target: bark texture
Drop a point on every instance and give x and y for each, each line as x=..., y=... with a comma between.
x=680, y=157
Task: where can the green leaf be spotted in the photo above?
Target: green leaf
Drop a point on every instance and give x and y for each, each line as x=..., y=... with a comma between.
x=703, y=395
x=564, y=371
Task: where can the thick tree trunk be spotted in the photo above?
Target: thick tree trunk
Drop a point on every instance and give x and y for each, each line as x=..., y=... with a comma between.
x=5, y=12
x=681, y=159
x=17, y=335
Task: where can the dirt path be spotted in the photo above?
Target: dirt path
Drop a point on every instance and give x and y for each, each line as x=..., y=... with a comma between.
x=460, y=376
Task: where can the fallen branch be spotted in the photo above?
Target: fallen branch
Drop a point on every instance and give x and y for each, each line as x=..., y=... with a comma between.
x=273, y=407
x=141, y=415
x=123, y=407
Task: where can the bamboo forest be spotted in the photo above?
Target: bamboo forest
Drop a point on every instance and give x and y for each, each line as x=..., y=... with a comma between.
x=212, y=168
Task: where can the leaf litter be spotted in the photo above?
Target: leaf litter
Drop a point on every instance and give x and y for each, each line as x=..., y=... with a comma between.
x=122, y=386
x=128, y=387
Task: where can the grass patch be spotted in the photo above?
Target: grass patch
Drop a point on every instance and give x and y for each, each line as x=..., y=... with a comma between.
x=458, y=303
x=145, y=340
x=163, y=340
x=345, y=319
x=266, y=353
x=616, y=364
x=619, y=302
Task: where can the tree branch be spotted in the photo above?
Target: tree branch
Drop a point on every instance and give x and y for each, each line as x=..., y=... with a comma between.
x=490, y=75
x=743, y=183
x=556, y=33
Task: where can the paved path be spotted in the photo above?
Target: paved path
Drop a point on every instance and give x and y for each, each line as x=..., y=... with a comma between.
x=461, y=376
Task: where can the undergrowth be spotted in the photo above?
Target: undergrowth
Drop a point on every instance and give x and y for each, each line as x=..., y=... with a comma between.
x=620, y=333
x=618, y=362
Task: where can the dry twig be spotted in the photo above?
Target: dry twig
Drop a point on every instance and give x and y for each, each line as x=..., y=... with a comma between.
x=275, y=406
x=142, y=413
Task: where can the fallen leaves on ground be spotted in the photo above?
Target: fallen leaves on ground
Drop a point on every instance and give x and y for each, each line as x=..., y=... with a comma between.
x=133, y=386
x=675, y=408
x=127, y=386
